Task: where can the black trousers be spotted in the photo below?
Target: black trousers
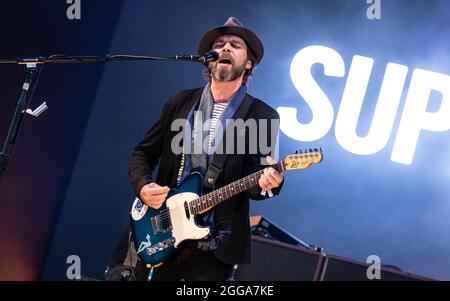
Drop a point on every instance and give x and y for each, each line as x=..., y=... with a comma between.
x=189, y=264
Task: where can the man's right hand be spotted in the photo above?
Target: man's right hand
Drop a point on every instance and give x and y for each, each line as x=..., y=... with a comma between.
x=154, y=195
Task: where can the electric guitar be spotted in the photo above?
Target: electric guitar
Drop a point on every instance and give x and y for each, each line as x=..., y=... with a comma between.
x=158, y=232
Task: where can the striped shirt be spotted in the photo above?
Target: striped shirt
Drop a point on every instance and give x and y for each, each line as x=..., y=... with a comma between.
x=217, y=111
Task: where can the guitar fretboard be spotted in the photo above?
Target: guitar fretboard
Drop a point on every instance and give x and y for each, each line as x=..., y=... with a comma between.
x=217, y=196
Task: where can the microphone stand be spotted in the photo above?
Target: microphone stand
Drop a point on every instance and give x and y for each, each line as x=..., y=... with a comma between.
x=33, y=68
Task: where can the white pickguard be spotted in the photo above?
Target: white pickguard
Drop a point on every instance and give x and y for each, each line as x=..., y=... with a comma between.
x=183, y=228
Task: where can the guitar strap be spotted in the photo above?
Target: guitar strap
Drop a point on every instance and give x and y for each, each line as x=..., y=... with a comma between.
x=216, y=166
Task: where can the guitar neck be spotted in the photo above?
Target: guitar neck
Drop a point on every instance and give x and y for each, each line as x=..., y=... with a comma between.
x=217, y=196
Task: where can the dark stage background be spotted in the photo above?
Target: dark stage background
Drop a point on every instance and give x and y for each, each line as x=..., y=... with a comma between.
x=66, y=191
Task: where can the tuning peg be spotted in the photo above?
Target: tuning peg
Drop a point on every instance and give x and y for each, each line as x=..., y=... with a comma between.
x=316, y=150
x=296, y=152
x=320, y=149
x=300, y=152
x=310, y=150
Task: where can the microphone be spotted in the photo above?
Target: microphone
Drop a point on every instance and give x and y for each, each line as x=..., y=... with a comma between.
x=210, y=56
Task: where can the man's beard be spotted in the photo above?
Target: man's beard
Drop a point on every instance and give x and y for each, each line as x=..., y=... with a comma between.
x=225, y=74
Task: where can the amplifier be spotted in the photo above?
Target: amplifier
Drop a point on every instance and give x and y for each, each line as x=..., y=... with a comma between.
x=336, y=268
x=273, y=260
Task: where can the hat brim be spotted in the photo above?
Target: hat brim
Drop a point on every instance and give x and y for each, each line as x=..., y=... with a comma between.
x=253, y=42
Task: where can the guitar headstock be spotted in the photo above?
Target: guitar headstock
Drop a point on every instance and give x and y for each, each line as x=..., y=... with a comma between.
x=302, y=159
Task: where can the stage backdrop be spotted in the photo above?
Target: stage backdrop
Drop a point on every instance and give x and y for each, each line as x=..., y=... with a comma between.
x=34, y=188
x=366, y=82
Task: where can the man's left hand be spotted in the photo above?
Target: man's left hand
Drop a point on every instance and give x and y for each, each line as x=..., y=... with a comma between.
x=271, y=178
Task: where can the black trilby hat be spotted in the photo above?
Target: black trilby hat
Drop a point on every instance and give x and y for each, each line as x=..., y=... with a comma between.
x=234, y=27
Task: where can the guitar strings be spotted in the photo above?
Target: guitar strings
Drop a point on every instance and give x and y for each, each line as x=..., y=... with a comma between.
x=250, y=179
x=217, y=195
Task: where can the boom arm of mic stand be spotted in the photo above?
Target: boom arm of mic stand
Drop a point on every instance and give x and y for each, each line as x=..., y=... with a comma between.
x=62, y=59
x=34, y=66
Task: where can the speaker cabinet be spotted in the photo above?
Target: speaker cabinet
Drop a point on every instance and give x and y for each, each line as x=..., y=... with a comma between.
x=337, y=268
x=273, y=260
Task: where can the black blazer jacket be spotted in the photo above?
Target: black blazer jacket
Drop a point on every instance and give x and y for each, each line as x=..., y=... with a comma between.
x=234, y=213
